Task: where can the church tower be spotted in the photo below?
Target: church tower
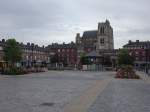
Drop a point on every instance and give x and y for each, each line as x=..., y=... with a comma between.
x=105, y=39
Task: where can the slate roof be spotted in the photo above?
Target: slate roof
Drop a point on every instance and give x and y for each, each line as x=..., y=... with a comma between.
x=56, y=45
x=139, y=43
x=28, y=46
x=90, y=34
x=89, y=46
x=93, y=54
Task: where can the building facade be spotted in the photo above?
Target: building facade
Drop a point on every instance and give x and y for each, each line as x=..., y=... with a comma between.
x=2, y=42
x=105, y=39
x=140, y=50
x=32, y=55
x=66, y=54
x=100, y=41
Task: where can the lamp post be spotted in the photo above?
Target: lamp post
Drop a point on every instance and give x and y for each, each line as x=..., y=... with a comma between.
x=32, y=45
x=146, y=54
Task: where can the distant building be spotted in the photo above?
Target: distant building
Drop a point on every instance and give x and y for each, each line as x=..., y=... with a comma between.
x=66, y=53
x=99, y=41
x=140, y=50
x=32, y=54
x=1, y=49
x=97, y=45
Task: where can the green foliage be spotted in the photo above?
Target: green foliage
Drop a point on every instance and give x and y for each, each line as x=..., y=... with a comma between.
x=14, y=71
x=83, y=59
x=12, y=51
x=124, y=58
x=82, y=54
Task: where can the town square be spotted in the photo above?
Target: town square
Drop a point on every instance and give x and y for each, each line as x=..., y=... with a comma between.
x=74, y=56
x=73, y=91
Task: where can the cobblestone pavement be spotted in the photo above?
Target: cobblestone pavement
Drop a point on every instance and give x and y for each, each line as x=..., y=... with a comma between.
x=52, y=91
x=44, y=92
x=144, y=76
x=123, y=96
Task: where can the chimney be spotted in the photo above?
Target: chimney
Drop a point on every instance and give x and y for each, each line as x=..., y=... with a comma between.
x=130, y=42
x=28, y=44
x=137, y=41
x=78, y=38
x=78, y=35
x=3, y=40
x=32, y=44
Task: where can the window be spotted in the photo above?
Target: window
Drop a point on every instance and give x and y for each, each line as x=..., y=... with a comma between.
x=130, y=53
x=136, y=58
x=27, y=57
x=1, y=48
x=89, y=49
x=137, y=52
x=102, y=40
x=102, y=30
x=34, y=57
x=58, y=50
x=143, y=53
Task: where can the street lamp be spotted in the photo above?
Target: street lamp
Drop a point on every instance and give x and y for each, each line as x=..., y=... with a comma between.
x=32, y=46
x=146, y=54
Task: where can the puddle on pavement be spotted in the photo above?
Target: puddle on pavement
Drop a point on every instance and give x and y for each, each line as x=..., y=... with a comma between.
x=48, y=104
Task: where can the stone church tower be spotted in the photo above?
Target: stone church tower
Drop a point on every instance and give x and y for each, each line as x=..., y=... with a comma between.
x=105, y=39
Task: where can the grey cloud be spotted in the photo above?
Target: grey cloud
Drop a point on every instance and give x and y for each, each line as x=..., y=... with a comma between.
x=46, y=21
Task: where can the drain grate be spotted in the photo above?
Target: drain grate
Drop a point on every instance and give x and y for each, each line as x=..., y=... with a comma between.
x=50, y=104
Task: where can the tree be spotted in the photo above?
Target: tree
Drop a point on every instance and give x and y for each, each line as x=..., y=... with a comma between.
x=83, y=59
x=12, y=52
x=55, y=58
x=124, y=58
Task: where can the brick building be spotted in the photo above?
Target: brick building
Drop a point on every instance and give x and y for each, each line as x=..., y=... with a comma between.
x=32, y=54
x=66, y=53
x=140, y=50
x=1, y=50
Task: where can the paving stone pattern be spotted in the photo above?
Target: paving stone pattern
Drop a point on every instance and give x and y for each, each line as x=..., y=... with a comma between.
x=44, y=92
x=123, y=96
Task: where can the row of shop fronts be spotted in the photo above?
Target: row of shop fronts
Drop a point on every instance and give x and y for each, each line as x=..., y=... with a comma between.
x=28, y=64
x=24, y=64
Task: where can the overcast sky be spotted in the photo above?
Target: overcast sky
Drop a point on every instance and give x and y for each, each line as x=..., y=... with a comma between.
x=47, y=21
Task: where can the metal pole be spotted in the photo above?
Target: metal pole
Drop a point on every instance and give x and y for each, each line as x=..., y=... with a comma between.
x=32, y=55
x=146, y=60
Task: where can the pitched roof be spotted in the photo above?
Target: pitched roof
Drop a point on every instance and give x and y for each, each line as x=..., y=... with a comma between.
x=90, y=34
x=139, y=43
x=56, y=45
x=93, y=54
